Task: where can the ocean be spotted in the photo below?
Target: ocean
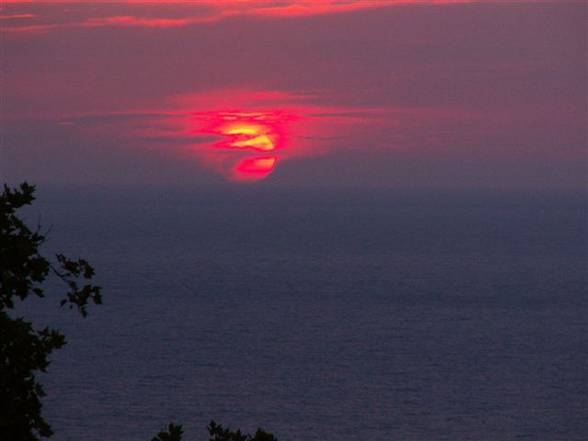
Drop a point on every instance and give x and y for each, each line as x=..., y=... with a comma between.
x=321, y=314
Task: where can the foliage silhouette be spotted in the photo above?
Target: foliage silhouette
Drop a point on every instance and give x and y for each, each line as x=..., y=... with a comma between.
x=24, y=350
x=173, y=433
x=217, y=433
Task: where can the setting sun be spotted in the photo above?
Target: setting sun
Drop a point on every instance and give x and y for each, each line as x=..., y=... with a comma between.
x=241, y=137
x=250, y=136
x=253, y=169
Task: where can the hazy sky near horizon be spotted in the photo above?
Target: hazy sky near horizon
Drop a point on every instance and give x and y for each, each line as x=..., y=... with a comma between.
x=296, y=92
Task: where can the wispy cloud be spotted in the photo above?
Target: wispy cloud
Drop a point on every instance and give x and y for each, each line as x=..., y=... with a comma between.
x=129, y=20
x=48, y=15
x=16, y=16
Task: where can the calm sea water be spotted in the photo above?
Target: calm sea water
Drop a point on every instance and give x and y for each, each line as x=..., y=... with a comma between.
x=323, y=315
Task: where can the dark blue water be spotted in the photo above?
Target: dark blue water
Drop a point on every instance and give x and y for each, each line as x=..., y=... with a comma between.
x=324, y=315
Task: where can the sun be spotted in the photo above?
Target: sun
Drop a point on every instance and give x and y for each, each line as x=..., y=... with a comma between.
x=255, y=136
x=248, y=144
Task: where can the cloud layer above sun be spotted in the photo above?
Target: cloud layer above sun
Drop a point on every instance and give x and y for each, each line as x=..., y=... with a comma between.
x=42, y=16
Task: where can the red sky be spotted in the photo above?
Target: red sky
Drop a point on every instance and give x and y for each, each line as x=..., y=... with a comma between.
x=468, y=94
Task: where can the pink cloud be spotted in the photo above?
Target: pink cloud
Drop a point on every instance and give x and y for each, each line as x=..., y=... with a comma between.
x=16, y=16
x=138, y=21
x=194, y=12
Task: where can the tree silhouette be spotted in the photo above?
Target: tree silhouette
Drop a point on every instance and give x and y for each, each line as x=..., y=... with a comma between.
x=24, y=350
x=217, y=433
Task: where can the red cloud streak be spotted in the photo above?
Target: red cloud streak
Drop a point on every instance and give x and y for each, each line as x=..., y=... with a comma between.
x=194, y=12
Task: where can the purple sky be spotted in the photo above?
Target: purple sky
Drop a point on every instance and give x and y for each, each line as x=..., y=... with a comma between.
x=354, y=93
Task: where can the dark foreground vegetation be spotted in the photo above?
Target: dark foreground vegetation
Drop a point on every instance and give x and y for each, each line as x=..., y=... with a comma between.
x=24, y=350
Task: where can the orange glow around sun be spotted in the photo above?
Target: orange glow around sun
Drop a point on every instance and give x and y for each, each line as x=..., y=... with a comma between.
x=246, y=135
x=248, y=144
